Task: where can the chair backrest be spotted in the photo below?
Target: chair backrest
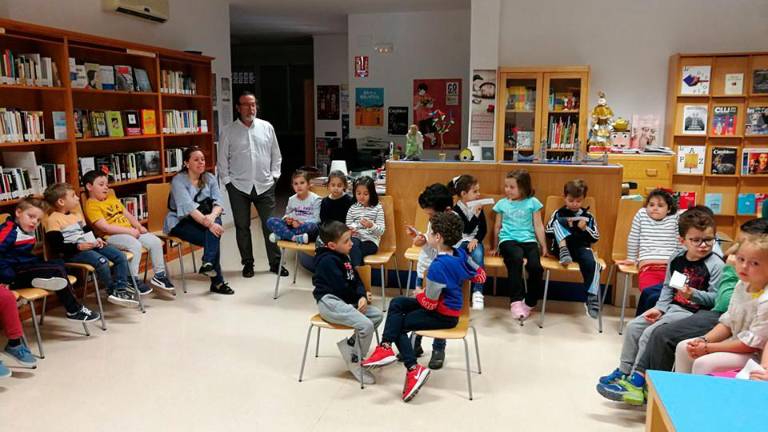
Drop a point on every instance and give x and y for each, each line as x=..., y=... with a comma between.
x=421, y=220
x=554, y=202
x=624, y=215
x=364, y=272
x=322, y=191
x=389, y=239
x=490, y=220
x=157, y=205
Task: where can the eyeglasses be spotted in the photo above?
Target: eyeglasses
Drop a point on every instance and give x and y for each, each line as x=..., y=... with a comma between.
x=709, y=241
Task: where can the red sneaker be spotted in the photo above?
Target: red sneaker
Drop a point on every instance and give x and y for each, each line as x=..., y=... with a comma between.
x=381, y=357
x=414, y=379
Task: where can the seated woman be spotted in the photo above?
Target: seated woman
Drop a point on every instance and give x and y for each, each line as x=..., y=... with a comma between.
x=194, y=215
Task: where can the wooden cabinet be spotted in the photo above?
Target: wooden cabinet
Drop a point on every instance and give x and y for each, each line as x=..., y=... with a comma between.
x=648, y=171
x=545, y=106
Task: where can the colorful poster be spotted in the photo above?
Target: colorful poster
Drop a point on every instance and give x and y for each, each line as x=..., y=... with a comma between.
x=369, y=107
x=397, y=120
x=361, y=66
x=437, y=112
x=482, y=118
x=327, y=102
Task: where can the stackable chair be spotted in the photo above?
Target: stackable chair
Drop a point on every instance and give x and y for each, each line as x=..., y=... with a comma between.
x=387, y=248
x=412, y=253
x=285, y=245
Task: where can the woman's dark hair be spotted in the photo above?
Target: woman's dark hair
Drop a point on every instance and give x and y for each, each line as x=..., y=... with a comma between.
x=368, y=183
x=338, y=175
x=523, y=182
x=186, y=155
x=462, y=183
x=436, y=197
x=300, y=173
x=665, y=196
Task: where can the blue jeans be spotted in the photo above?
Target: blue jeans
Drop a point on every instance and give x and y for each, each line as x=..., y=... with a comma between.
x=99, y=259
x=360, y=250
x=648, y=298
x=405, y=315
x=437, y=344
x=198, y=235
x=585, y=258
x=285, y=232
x=477, y=256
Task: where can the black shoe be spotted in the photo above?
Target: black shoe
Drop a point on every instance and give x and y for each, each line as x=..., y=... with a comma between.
x=206, y=269
x=436, y=362
x=83, y=315
x=283, y=271
x=248, y=271
x=418, y=352
x=222, y=288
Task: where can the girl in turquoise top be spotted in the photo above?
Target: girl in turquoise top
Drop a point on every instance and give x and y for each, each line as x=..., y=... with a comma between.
x=518, y=236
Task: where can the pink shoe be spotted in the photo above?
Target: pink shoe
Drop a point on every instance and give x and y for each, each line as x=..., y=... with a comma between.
x=518, y=310
x=526, y=310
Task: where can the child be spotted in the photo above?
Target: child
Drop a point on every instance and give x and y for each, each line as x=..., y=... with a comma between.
x=438, y=306
x=414, y=143
x=574, y=230
x=366, y=220
x=702, y=269
x=467, y=188
x=340, y=294
x=743, y=330
x=66, y=235
x=20, y=268
x=518, y=235
x=335, y=206
x=301, y=214
x=16, y=349
x=109, y=217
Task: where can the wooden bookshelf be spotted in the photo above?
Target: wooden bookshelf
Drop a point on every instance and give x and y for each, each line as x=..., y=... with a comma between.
x=728, y=185
x=61, y=45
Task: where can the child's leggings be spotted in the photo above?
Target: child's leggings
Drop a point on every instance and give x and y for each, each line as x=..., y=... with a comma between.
x=285, y=232
x=9, y=314
x=513, y=253
x=710, y=363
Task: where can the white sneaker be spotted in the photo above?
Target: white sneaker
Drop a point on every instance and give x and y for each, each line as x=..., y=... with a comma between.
x=50, y=284
x=302, y=238
x=273, y=238
x=478, y=302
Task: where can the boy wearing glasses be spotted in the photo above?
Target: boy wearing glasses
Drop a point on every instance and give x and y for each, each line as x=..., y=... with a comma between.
x=693, y=275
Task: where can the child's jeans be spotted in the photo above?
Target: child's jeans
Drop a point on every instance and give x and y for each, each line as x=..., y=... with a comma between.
x=335, y=310
x=285, y=232
x=477, y=256
x=513, y=253
x=189, y=230
x=133, y=245
x=46, y=269
x=99, y=259
x=360, y=250
x=9, y=314
x=437, y=344
x=585, y=258
x=648, y=298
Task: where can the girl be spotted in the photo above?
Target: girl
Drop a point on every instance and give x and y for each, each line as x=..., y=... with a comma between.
x=414, y=143
x=519, y=235
x=301, y=214
x=652, y=241
x=338, y=202
x=743, y=330
x=467, y=188
x=366, y=220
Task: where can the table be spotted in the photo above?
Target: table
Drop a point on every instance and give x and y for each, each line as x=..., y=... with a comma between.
x=702, y=403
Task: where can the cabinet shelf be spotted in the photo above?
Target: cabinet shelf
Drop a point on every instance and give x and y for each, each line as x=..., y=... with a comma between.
x=138, y=180
x=31, y=88
x=122, y=138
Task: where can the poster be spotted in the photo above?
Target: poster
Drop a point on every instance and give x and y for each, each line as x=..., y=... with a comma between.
x=226, y=92
x=344, y=99
x=437, y=112
x=397, y=120
x=361, y=66
x=369, y=107
x=327, y=102
x=482, y=118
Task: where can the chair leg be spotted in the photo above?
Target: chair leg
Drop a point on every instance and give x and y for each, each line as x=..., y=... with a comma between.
x=296, y=267
x=608, y=284
x=383, y=290
x=146, y=267
x=627, y=282
x=495, y=281
x=397, y=275
x=37, y=329
x=181, y=268
x=359, y=358
x=304, y=357
x=317, y=345
x=98, y=301
x=138, y=294
x=408, y=281
x=279, y=267
x=469, y=372
x=477, y=350
x=42, y=314
x=599, y=308
x=544, y=302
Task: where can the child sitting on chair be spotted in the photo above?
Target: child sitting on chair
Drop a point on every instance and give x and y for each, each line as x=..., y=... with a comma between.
x=436, y=307
x=301, y=214
x=341, y=297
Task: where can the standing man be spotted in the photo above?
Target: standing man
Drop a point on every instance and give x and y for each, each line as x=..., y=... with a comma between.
x=249, y=166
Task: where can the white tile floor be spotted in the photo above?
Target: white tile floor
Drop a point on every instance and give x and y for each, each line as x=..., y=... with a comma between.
x=214, y=363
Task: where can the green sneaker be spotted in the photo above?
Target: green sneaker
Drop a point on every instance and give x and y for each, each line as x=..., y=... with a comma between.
x=634, y=395
x=623, y=390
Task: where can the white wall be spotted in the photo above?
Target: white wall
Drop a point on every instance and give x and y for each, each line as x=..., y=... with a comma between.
x=426, y=45
x=627, y=43
x=331, y=68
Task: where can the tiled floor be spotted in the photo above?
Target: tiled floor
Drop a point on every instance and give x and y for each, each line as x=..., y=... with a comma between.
x=213, y=363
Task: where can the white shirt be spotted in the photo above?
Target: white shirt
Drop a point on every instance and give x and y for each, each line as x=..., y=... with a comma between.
x=249, y=157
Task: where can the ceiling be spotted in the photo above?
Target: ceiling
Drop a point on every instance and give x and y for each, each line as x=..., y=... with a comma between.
x=271, y=21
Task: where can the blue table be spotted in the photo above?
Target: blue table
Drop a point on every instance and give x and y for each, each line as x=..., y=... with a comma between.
x=700, y=403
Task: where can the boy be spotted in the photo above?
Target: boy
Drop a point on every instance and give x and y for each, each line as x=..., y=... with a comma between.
x=438, y=306
x=108, y=215
x=66, y=235
x=574, y=230
x=340, y=294
x=701, y=269
x=19, y=268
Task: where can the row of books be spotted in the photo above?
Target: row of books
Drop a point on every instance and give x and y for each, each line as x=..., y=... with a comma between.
x=695, y=81
x=22, y=175
x=28, y=69
x=183, y=121
x=108, y=77
x=563, y=100
x=563, y=132
x=114, y=123
x=174, y=159
x=123, y=166
x=136, y=204
x=177, y=82
x=691, y=159
x=724, y=119
x=521, y=98
x=747, y=204
x=19, y=126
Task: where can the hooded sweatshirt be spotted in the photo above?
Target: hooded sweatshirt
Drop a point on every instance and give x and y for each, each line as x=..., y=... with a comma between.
x=335, y=275
x=445, y=277
x=15, y=249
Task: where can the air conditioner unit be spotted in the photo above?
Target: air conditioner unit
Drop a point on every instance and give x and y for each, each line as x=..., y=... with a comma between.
x=153, y=10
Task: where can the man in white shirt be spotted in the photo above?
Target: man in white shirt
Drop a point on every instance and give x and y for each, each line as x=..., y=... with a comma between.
x=249, y=166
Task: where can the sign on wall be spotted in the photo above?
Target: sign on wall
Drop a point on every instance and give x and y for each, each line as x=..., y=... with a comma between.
x=361, y=66
x=483, y=105
x=397, y=120
x=369, y=107
x=437, y=112
x=327, y=102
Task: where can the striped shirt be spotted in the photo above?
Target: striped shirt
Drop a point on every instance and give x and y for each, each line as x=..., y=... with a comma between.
x=650, y=239
x=374, y=214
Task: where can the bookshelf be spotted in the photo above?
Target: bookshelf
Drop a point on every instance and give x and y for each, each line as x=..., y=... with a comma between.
x=65, y=96
x=734, y=82
x=534, y=103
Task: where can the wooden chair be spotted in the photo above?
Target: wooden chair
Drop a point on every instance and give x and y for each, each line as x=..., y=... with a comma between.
x=316, y=321
x=29, y=296
x=387, y=248
x=493, y=262
x=284, y=245
x=553, y=264
x=625, y=213
x=412, y=253
x=322, y=191
x=459, y=332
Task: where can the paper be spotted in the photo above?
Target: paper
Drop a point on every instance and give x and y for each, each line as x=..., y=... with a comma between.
x=88, y=238
x=480, y=202
x=751, y=366
x=678, y=280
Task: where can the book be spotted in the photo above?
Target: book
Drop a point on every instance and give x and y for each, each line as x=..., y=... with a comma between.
x=714, y=201
x=723, y=161
x=85, y=165
x=644, y=130
x=724, y=121
x=30, y=176
x=99, y=124
x=152, y=161
x=131, y=122
x=107, y=76
x=59, y=125
x=148, y=122
x=746, y=204
x=124, y=78
x=760, y=198
x=93, y=76
x=690, y=159
x=20, y=126
x=81, y=79
x=756, y=122
x=694, y=119
x=760, y=81
x=78, y=121
x=754, y=161
x=142, y=80
x=734, y=84
x=686, y=200
x=114, y=123
x=695, y=80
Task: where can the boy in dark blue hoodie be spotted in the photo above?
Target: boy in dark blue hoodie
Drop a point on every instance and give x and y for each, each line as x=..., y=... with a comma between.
x=438, y=306
x=340, y=294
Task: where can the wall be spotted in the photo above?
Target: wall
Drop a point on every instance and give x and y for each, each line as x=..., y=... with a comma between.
x=331, y=68
x=426, y=45
x=627, y=43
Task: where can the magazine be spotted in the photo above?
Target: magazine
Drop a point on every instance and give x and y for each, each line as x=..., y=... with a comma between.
x=754, y=161
x=694, y=119
x=724, y=121
x=644, y=130
x=695, y=80
x=690, y=159
x=756, y=121
x=723, y=161
x=760, y=81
